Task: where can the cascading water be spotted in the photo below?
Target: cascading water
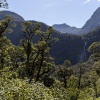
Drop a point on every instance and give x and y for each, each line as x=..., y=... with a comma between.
x=83, y=53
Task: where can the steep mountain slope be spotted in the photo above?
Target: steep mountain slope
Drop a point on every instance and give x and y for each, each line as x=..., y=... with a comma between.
x=70, y=46
x=15, y=16
x=92, y=23
x=15, y=35
x=64, y=49
x=64, y=28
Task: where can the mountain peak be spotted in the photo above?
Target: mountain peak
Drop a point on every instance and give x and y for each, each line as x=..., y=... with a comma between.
x=92, y=23
x=14, y=15
x=98, y=9
x=96, y=13
x=64, y=28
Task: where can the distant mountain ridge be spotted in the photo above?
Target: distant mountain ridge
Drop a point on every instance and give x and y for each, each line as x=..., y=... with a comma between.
x=91, y=24
x=64, y=28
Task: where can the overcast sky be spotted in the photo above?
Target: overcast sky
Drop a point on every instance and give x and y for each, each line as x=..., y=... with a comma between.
x=71, y=12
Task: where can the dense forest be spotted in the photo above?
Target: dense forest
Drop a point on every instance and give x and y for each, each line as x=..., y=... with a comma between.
x=69, y=46
x=28, y=70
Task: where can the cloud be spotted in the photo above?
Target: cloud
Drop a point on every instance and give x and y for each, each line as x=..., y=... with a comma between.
x=87, y=1
x=98, y=0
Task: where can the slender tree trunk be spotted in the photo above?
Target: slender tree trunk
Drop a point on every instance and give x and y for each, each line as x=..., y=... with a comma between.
x=80, y=77
x=65, y=82
x=2, y=62
x=79, y=81
x=41, y=63
x=27, y=63
x=28, y=51
x=95, y=88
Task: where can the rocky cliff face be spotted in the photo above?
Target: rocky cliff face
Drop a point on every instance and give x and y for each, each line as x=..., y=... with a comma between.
x=15, y=16
x=92, y=23
x=64, y=28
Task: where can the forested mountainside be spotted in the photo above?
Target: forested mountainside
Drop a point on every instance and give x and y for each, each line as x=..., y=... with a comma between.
x=15, y=16
x=69, y=46
x=39, y=63
x=27, y=71
x=63, y=49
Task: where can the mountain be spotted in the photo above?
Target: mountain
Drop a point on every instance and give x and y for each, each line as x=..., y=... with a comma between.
x=92, y=23
x=69, y=47
x=15, y=16
x=64, y=28
x=64, y=49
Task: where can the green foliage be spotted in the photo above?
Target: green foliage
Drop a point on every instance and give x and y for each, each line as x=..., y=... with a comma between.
x=95, y=50
x=27, y=71
x=3, y=4
x=64, y=72
x=12, y=88
x=5, y=46
x=38, y=60
x=48, y=81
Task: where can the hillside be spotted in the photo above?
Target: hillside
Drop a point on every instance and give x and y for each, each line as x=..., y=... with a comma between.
x=70, y=47
x=15, y=16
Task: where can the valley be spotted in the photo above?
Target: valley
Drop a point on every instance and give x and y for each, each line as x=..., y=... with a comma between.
x=42, y=62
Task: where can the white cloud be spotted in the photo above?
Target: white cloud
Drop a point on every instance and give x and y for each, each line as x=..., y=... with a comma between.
x=87, y=1
x=98, y=0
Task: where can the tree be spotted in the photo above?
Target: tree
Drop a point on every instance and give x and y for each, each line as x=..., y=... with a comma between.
x=29, y=29
x=44, y=60
x=16, y=55
x=64, y=72
x=38, y=60
x=80, y=71
x=5, y=44
x=95, y=50
x=4, y=26
x=3, y=4
x=94, y=80
x=95, y=56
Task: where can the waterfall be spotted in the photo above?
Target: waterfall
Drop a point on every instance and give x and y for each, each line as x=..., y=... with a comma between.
x=83, y=53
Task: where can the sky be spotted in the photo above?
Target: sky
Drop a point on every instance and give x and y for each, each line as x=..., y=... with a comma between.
x=72, y=12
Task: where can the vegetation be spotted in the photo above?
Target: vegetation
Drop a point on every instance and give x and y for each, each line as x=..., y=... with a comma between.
x=3, y=4
x=28, y=72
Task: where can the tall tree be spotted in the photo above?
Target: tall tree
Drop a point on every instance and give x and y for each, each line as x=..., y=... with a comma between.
x=95, y=51
x=29, y=31
x=5, y=44
x=38, y=59
x=44, y=60
x=64, y=72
